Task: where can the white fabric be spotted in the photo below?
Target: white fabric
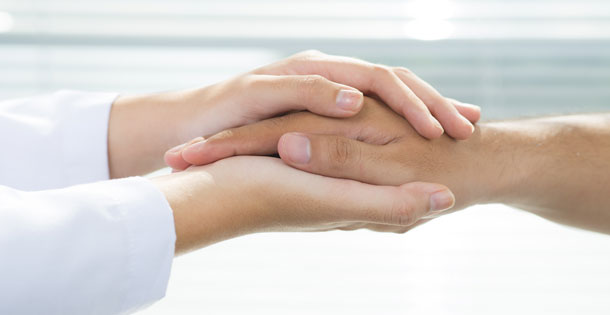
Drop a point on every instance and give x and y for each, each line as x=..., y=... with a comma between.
x=97, y=248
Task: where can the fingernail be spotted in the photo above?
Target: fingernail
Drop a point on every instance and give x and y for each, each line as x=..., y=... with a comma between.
x=471, y=128
x=437, y=125
x=469, y=105
x=349, y=100
x=176, y=149
x=441, y=200
x=467, y=123
x=297, y=148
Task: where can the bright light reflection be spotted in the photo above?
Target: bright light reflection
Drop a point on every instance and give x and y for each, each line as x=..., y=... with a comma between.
x=6, y=22
x=430, y=19
x=429, y=29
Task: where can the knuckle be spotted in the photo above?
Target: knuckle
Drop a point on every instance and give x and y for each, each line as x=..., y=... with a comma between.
x=341, y=151
x=402, y=213
x=382, y=70
x=309, y=86
x=403, y=70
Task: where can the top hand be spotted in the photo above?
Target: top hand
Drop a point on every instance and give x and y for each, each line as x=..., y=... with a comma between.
x=398, y=87
x=322, y=84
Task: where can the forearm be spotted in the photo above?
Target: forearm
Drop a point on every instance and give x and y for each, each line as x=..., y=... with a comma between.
x=142, y=128
x=555, y=167
x=203, y=214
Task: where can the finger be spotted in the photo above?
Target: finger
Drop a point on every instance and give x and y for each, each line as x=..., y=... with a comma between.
x=173, y=157
x=274, y=94
x=366, y=77
x=470, y=111
x=337, y=156
x=456, y=125
x=400, y=205
x=260, y=138
x=419, y=222
x=389, y=205
x=407, y=103
x=387, y=228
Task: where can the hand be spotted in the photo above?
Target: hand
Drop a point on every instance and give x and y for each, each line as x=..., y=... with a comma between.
x=329, y=86
x=375, y=146
x=398, y=87
x=322, y=84
x=554, y=167
x=142, y=128
x=242, y=195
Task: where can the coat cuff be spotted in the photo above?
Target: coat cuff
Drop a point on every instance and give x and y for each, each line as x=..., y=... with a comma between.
x=85, y=135
x=150, y=238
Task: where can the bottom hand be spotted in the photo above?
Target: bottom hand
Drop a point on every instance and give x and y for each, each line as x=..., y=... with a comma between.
x=242, y=195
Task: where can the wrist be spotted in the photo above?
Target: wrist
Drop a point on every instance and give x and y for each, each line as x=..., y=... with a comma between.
x=209, y=206
x=142, y=127
x=500, y=163
x=195, y=210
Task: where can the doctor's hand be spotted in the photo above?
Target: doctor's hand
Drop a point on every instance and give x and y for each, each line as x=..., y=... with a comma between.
x=243, y=195
x=407, y=94
x=142, y=128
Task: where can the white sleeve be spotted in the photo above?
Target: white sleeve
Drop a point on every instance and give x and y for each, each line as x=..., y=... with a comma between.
x=54, y=140
x=101, y=248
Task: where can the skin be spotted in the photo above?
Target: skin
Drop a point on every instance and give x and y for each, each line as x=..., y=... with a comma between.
x=554, y=167
x=322, y=84
x=244, y=195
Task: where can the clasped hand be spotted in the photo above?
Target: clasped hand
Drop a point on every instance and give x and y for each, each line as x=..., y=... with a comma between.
x=347, y=161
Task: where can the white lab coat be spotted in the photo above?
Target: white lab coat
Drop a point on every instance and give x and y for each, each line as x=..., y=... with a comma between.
x=100, y=247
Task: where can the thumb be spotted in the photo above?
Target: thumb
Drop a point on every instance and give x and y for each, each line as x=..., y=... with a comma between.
x=341, y=157
x=404, y=205
x=314, y=93
x=338, y=156
x=343, y=200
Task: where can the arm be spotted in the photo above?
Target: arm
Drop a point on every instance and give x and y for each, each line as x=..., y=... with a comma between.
x=117, y=237
x=107, y=247
x=554, y=167
x=53, y=141
x=104, y=247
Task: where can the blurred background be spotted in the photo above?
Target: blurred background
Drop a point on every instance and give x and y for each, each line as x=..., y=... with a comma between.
x=514, y=58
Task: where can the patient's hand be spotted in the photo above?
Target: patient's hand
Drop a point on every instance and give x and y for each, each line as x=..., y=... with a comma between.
x=376, y=146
